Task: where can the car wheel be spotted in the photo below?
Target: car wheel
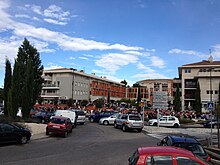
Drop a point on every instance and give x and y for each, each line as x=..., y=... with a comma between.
x=115, y=125
x=124, y=128
x=105, y=122
x=155, y=124
x=65, y=134
x=139, y=130
x=91, y=120
x=176, y=125
x=23, y=140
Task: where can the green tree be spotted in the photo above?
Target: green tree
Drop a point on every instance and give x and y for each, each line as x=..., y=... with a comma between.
x=198, y=104
x=27, y=72
x=7, y=85
x=99, y=103
x=177, y=101
x=84, y=102
x=69, y=102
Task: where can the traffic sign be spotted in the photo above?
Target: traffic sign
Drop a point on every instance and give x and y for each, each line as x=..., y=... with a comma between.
x=210, y=106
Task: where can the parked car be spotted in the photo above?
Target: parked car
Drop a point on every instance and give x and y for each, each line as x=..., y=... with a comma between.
x=69, y=114
x=97, y=116
x=59, y=125
x=12, y=133
x=42, y=116
x=129, y=122
x=166, y=121
x=108, y=120
x=81, y=116
x=188, y=143
x=164, y=156
x=214, y=124
x=32, y=112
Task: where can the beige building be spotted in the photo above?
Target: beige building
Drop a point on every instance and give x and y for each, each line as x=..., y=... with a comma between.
x=207, y=73
x=65, y=83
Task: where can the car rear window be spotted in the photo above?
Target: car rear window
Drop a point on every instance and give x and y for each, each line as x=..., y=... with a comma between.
x=57, y=121
x=80, y=113
x=134, y=117
x=194, y=148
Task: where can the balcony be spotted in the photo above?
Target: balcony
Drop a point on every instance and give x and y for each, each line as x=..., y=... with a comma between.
x=51, y=86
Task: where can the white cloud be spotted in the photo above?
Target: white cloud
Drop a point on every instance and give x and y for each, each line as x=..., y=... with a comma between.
x=72, y=58
x=54, y=11
x=88, y=55
x=187, y=52
x=145, y=68
x=150, y=76
x=83, y=58
x=54, y=21
x=114, y=61
x=22, y=16
x=35, y=8
x=52, y=66
x=216, y=52
x=157, y=62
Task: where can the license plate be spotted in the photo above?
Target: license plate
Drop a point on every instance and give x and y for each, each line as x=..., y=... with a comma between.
x=56, y=126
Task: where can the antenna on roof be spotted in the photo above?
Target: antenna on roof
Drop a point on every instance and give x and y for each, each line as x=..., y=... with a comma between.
x=210, y=59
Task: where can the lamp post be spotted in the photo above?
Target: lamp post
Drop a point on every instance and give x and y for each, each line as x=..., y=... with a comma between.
x=210, y=78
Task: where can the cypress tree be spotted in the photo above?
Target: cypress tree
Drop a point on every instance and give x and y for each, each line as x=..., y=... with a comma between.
x=28, y=80
x=7, y=85
x=198, y=104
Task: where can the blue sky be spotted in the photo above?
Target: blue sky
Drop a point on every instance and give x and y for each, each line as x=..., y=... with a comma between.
x=128, y=40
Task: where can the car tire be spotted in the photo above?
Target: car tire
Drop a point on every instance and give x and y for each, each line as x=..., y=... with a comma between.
x=91, y=120
x=115, y=125
x=155, y=124
x=139, y=130
x=23, y=140
x=65, y=134
x=105, y=122
x=124, y=129
x=176, y=126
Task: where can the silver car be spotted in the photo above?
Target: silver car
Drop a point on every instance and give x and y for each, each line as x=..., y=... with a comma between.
x=108, y=120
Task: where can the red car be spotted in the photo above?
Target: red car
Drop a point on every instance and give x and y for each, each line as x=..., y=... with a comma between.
x=165, y=156
x=59, y=125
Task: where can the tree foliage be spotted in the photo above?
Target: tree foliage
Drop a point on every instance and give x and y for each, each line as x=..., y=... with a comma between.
x=198, y=104
x=99, y=103
x=7, y=85
x=84, y=102
x=27, y=80
x=177, y=101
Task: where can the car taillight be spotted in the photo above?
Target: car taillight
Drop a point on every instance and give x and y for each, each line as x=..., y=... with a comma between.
x=126, y=122
x=208, y=159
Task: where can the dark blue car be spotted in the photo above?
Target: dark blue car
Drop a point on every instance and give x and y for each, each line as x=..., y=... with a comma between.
x=97, y=116
x=187, y=143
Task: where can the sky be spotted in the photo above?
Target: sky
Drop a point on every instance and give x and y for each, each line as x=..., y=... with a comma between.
x=128, y=40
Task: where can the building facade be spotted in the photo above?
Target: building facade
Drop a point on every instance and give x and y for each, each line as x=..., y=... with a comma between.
x=65, y=83
x=207, y=74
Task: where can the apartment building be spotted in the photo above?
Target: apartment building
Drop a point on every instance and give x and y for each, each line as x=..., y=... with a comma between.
x=207, y=73
x=65, y=83
x=150, y=86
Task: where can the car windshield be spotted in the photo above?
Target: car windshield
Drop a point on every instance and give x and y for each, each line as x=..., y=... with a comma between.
x=57, y=121
x=135, y=118
x=193, y=147
x=80, y=113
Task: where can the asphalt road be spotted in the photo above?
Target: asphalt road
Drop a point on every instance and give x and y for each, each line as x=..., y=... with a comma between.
x=88, y=144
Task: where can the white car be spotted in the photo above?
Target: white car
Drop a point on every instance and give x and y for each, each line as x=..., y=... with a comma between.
x=108, y=120
x=166, y=121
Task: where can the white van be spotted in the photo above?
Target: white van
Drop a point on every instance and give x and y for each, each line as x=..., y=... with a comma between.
x=67, y=113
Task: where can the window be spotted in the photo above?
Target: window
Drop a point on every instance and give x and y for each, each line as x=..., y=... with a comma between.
x=159, y=160
x=216, y=92
x=187, y=70
x=134, y=158
x=171, y=119
x=185, y=160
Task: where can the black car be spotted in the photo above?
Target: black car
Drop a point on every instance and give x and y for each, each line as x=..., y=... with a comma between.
x=43, y=116
x=188, y=143
x=10, y=133
x=214, y=124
